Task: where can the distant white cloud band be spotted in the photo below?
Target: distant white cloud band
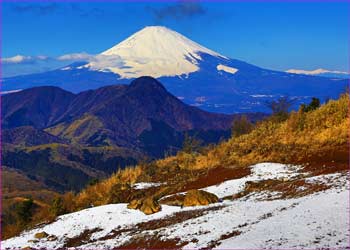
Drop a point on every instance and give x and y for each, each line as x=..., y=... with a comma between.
x=96, y=61
x=22, y=59
x=18, y=59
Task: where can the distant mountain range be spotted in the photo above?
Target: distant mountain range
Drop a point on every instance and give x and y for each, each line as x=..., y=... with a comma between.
x=64, y=139
x=193, y=73
x=321, y=72
x=119, y=115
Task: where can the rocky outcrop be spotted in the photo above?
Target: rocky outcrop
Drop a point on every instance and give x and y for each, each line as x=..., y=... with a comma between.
x=147, y=205
x=199, y=198
x=41, y=235
x=173, y=200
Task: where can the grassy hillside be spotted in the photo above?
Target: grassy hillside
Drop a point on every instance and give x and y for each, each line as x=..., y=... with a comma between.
x=80, y=130
x=317, y=139
x=302, y=136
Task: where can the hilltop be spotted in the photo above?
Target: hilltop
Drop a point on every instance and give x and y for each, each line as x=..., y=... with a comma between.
x=66, y=139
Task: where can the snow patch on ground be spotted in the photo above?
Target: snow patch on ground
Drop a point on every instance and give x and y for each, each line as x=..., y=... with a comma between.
x=107, y=218
x=10, y=91
x=261, y=171
x=317, y=221
x=66, y=68
x=337, y=179
x=227, y=69
x=145, y=185
x=261, y=96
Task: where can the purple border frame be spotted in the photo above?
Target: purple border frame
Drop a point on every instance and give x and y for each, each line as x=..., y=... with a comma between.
x=162, y=1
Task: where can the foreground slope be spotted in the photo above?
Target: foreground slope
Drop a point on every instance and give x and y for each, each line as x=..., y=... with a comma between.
x=259, y=220
x=305, y=195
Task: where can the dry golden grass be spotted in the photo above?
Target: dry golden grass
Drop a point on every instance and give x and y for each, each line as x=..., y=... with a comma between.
x=297, y=138
x=98, y=194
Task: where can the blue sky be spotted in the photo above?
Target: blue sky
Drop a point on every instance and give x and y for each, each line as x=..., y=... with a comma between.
x=273, y=35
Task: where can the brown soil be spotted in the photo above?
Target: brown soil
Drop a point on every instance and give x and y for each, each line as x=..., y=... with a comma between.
x=153, y=242
x=197, y=180
x=114, y=233
x=216, y=176
x=216, y=243
x=327, y=160
x=81, y=239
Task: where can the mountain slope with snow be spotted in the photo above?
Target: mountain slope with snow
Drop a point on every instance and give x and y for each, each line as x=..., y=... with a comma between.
x=188, y=70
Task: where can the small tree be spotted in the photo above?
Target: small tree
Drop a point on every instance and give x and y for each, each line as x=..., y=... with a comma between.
x=24, y=211
x=191, y=144
x=57, y=206
x=313, y=105
x=241, y=126
x=93, y=182
x=280, y=107
x=151, y=169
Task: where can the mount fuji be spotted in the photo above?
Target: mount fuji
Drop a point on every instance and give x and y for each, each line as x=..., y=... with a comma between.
x=193, y=73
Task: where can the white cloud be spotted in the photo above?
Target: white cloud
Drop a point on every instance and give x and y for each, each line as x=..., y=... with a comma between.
x=22, y=59
x=16, y=59
x=42, y=63
x=42, y=57
x=107, y=62
x=76, y=56
x=98, y=62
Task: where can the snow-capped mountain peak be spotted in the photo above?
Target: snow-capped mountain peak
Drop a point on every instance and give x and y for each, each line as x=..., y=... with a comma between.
x=154, y=51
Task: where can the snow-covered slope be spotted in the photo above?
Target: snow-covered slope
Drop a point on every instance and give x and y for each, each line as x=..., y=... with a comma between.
x=259, y=220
